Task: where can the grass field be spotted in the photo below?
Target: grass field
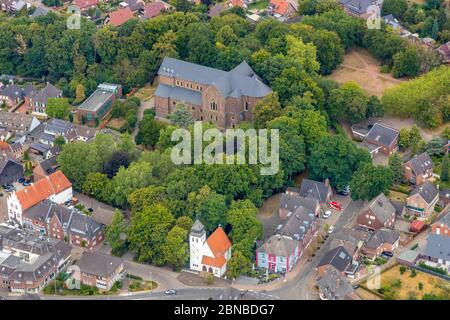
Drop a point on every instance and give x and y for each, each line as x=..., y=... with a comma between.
x=403, y=286
x=116, y=124
x=145, y=93
x=262, y=4
x=361, y=67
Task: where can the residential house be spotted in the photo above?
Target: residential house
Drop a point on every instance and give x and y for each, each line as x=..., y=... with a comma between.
x=45, y=168
x=18, y=123
x=333, y=286
x=352, y=240
x=55, y=187
x=99, y=103
x=99, y=270
x=85, y=5
x=209, y=255
x=422, y=199
x=53, y=220
x=444, y=197
x=444, y=51
x=337, y=258
x=11, y=95
x=153, y=10
x=14, y=150
x=13, y=6
x=211, y=95
x=28, y=263
x=46, y=133
x=315, y=189
x=281, y=252
x=119, y=17
x=442, y=225
x=359, y=8
x=289, y=204
x=237, y=4
x=134, y=5
x=400, y=208
x=381, y=138
x=382, y=239
x=419, y=169
x=378, y=213
x=437, y=251
x=10, y=169
x=37, y=99
x=282, y=9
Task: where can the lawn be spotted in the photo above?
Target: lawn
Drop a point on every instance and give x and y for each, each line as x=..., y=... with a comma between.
x=360, y=66
x=259, y=5
x=404, y=286
x=145, y=93
x=116, y=123
x=399, y=196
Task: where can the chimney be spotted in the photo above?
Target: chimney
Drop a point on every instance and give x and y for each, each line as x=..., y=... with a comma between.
x=327, y=182
x=380, y=203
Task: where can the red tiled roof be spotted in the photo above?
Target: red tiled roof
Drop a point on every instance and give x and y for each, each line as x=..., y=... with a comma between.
x=218, y=242
x=279, y=6
x=4, y=146
x=154, y=9
x=416, y=226
x=119, y=17
x=42, y=189
x=237, y=3
x=83, y=4
x=217, y=262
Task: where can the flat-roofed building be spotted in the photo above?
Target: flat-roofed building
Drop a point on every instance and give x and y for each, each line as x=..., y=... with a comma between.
x=100, y=103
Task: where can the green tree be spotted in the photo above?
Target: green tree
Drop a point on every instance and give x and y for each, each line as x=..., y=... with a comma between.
x=445, y=168
x=175, y=249
x=59, y=141
x=395, y=7
x=369, y=181
x=406, y=63
x=58, y=108
x=266, y=109
x=144, y=197
x=336, y=158
x=184, y=222
x=96, y=185
x=149, y=131
x=404, y=140
x=148, y=231
x=396, y=166
x=116, y=232
x=181, y=116
x=348, y=102
x=238, y=264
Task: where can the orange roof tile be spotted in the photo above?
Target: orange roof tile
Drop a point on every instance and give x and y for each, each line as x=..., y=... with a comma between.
x=42, y=189
x=237, y=3
x=120, y=16
x=218, y=242
x=217, y=262
x=279, y=6
x=4, y=146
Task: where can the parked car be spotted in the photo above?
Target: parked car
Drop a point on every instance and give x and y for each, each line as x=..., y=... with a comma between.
x=326, y=214
x=21, y=180
x=336, y=205
x=26, y=183
x=170, y=292
x=9, y=187
x=344, y=191
x=90, y=210
x=387, y=254
x=331, y=229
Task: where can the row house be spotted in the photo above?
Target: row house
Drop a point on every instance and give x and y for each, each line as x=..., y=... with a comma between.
x=27, y=262
x=18, y=123
x=210, y=95
x=282, y=251
x=55, y=187
x=55, y=221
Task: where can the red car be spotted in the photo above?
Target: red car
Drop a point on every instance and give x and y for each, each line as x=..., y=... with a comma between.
x=336, y=205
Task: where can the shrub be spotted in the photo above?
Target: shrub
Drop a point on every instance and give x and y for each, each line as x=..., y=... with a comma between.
x=420, y=286
x=413, y=273
x=402, y=270
x=385, y=69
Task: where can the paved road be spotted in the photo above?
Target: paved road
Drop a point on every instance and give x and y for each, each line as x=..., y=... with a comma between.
x=300, y=287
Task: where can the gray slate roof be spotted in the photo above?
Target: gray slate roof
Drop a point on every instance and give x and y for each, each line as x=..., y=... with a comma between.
x=39, y=12
x=338, y=258
x=315, y=189
x=359, y=6
x=292, y=203
x=381, y=236
x=278, y=245
x=438, y=246
x=298, y=224
x=235, y=83
x=334, y=286
x=421, y=163
x=98, y=264
x=427, y=191
x=445, y=219
x=381, y=207
x=178, y=93
x=383, y=134
x=49, y=91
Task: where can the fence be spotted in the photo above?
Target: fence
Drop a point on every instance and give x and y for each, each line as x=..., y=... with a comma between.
x=431, y=272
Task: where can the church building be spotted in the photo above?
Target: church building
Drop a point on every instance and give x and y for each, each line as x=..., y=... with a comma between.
x=212, y=254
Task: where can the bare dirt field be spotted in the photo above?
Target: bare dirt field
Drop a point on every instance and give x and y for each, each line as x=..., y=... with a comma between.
x=360, y=66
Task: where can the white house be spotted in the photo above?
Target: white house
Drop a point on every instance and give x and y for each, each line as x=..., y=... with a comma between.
x=212, y=254
x=55, y=187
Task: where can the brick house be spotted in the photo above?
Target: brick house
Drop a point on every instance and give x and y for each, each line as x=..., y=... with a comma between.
x=333, y=286
x=352, y=240
x=55, y=221
x=37, y=100
x=419, y=169
x=382, y=239
x=99, y=270
x=290, y=203
x=11, y=95
x=381, y=138
x=422, y=199
x=281, y=9
x=314, y=189
x=282, y=250
x=337, y=258
x=378, y=213
x=211, y=95
x=442, y=226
